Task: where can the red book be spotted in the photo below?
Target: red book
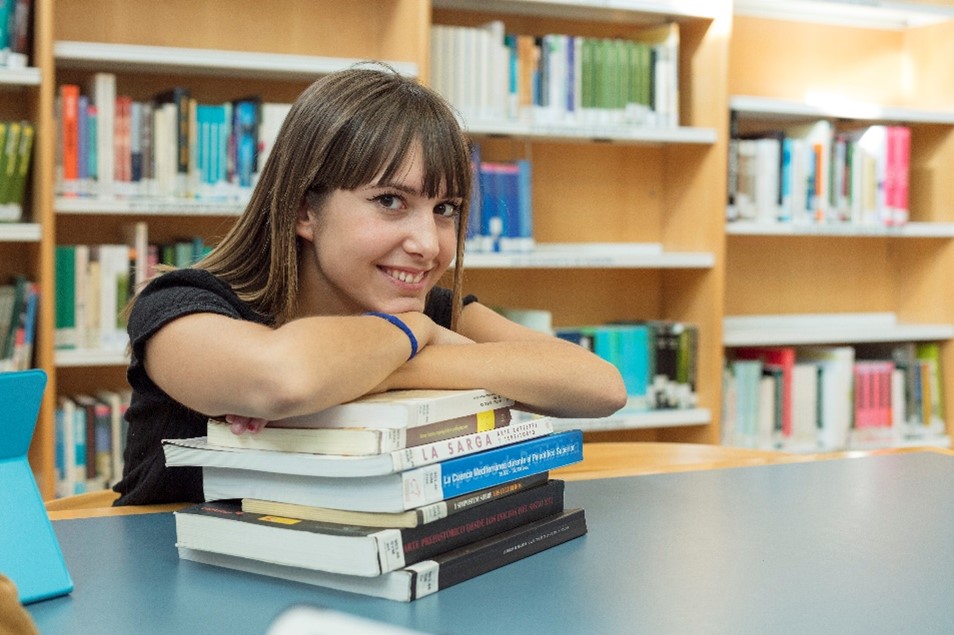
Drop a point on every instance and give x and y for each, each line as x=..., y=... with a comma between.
x=69, y=114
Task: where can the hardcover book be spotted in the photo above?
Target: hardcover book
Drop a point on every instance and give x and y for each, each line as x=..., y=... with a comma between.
x=222, y=527
x=199, y=452
x=429, y=576
x=403, y=490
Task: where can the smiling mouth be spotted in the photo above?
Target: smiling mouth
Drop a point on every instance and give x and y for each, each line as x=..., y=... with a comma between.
x=405, y=276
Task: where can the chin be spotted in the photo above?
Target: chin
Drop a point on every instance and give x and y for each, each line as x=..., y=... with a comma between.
x=403, y=305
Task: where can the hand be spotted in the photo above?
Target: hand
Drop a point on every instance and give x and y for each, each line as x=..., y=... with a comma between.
x=239, y=424
x=14, y=619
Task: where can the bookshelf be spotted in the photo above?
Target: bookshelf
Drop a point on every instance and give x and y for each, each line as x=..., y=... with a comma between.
x=628, y=219
x=617, y=207
x=818, y=284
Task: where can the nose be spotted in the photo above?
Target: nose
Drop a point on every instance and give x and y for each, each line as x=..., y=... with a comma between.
x=422, y=237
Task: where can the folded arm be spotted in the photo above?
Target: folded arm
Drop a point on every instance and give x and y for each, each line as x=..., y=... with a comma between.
x=218, y=365
x=543, y=373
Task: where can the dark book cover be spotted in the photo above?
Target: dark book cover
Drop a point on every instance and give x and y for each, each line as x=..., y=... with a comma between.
x=470, y=561
x=395, y=548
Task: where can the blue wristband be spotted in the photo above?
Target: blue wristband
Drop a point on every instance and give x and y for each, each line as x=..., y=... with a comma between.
x=398, y=322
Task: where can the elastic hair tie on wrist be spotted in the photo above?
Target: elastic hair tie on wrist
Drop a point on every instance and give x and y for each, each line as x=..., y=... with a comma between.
x=398, y=322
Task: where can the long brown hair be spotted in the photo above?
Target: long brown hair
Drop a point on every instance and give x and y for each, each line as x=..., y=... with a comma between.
x=344, y=131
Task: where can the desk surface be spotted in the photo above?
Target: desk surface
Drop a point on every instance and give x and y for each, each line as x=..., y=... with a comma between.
x=850, y=545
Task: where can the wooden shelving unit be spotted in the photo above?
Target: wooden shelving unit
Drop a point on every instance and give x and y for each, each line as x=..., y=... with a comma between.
x=843, y=284
x=629, y=187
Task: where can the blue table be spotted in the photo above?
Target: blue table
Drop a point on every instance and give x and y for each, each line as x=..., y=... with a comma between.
x=862, y=545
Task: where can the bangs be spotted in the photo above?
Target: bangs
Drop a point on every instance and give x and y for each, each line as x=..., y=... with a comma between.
x=376, y=146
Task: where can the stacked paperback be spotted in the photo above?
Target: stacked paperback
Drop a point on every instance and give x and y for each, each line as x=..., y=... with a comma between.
x=396, y=495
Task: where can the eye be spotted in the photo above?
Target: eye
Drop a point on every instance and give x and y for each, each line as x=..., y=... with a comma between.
x=447, y=209
x=389, y=201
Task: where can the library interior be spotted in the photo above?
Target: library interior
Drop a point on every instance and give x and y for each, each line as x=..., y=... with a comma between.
x=740, y=204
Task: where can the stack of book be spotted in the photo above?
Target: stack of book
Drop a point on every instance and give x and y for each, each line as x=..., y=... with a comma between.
x=396, y=495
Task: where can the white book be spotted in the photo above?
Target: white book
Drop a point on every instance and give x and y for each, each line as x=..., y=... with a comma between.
x=273, y=116
x=804, y=435
x=403, y=490
x=836, y=390
x=102, y=90
x=400, y=409
x=199, y=452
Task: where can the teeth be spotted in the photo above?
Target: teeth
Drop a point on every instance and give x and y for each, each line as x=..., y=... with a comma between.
x=404, y=276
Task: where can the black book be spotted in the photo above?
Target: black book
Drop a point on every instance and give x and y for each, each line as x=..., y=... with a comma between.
x=222, y=527
x=429, y=576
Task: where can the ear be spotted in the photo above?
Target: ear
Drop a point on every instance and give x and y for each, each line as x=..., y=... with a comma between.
x=305, y=223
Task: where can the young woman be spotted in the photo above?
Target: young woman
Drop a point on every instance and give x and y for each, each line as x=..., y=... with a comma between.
x=325, y=289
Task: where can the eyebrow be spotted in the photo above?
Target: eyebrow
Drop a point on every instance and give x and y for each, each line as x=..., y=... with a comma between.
x=398, y=186
x=411, y=190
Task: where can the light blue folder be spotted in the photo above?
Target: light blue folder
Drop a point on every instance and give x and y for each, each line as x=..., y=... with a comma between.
x=29, y=552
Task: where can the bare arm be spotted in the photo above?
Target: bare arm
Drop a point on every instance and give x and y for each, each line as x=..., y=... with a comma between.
x=545, y=374
x=219, y=365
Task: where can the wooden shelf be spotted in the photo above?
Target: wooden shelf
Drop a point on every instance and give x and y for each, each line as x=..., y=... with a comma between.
x=18, y=77
x=147, y=206
x=90, y=357
x=632, y=11
x=768, y=108
x=20, y=232
x=909, y=230
x=592, y=256
x=624, y=420
x=589, y=133
x=103, y=56
x=831, y=328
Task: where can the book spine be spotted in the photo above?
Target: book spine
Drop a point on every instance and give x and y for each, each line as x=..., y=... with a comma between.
x=459, y=565
x=477, y=442
x=451, y=407
x=469, y=473
x=450, y=428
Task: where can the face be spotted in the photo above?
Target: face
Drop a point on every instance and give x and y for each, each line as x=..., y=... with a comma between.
x=381, y=247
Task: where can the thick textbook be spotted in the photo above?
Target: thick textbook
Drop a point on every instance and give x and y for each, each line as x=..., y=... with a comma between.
x=357, y=441
x=410, y=518
x=199, y=452
x=429, y=576
x=404, y=490
x=222, y=527
x=400, y=409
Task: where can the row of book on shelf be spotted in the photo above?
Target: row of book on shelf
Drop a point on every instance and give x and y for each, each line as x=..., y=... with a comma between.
x=656, y=358
x=397, y=495
x=19, y=304
x=16, y=154
x=109, y=144
x=501, y=206
x=489, y=73
x=814, y=173
x=90, y=438
x=822, y=398
x=94, y=284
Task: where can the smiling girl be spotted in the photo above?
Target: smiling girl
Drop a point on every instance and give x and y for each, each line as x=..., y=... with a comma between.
x=325, y=289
